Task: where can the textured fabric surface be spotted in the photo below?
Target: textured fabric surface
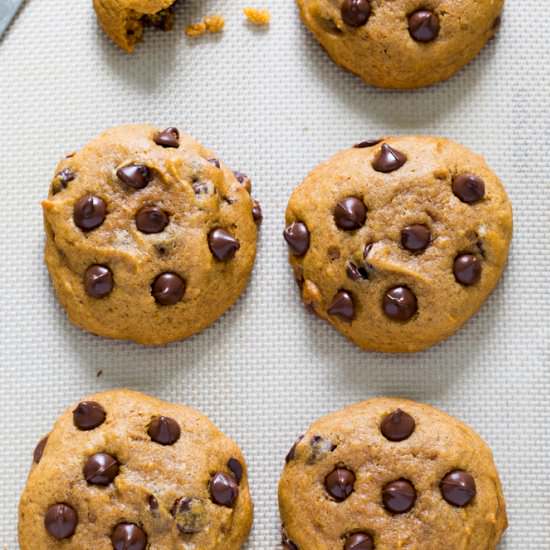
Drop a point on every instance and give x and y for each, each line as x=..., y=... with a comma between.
x=273, y=105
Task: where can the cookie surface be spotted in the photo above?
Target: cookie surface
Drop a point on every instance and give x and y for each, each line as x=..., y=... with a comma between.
x=397, y=243
x=126, y=471
x=149, y=237
x=402, y=43
x=387, y=474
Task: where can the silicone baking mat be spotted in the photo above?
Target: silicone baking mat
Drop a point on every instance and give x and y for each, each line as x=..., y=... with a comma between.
x=273, y=105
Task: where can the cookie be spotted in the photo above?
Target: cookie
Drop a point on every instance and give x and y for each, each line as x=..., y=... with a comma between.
x=121, y=470
x=402, y=43
x=149, y=236
x=398, y=242
x=387, y=474
x=124, y=20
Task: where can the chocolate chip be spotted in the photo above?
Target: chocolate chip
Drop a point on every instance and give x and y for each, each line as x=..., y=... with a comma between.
x=164, y=430
x=89, y=212
x=469, y=188
x=98, y=281
x=222, y=244
x=424, y=25
x=467, y=269
x=458, y=488
x=415, y=238
x=190, y=515
x=400, y=303
x=61, y=521
x=223, y=489
x=355, y=13
x=356, y=273
x=128, y=536
x=342, y=306
x=236, y=467
x=151, y=219
x=292, y=453
x=350, y=214
x=244, y=180
x=100, y=469
x=297, y=237
x=136, y=176
x=397, y=426
x=168, y=289
x=88, y=415
x=399, y=496
x=339, y=484
x=39, y=450
x=62, y=180
x=319, y=449
x=359, y=541
x=388, y=159
x=257, y=212
x=153, y=503
x=367, y=143
x=168, y=138
x=215, y=162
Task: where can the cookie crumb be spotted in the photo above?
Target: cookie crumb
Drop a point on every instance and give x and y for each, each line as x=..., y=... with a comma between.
x=99, y=373
x=211, y=23
x=258, y=17
x=196, y=29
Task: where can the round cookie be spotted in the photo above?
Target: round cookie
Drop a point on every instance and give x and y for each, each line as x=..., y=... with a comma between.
x=387, y=474
x=121, y=470
x=398, y=242
x=149, y=237
x=402, y=43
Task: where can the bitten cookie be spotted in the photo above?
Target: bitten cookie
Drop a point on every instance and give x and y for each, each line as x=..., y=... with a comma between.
x=124, y=471
x=149, y=236
x=402, y=43
x=390, y=474
x=398, y=242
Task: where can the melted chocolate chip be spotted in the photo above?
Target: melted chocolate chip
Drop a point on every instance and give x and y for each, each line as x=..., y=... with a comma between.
x=222, y=245
x=400, y=304
x=467, y=269
x=388, y=159
x=39, y=450
x=415, y=238
x=153, y=503
x=128, y=536
x=98, y=281
x=356, y=273
x=215, y=162
x=190, y=515
x=100, y=469
x=168, y=138
x=61, y=521
x=297, y=237
x=136, y=176
x=367, y=143
x=397, y=426
x=224, y=490
x=350, y=214
x=244, y=180
x=292, y=452
x=469, y=188
x=236, y=467
x=339, y=484
x=399, y=496
x=359, y=541
x=319, y=449
x=355, y=13
x=342, y=306
x=168, y=289
x=458, y=488
x=62, y=180
x=151, y=219
x=424, y=25
x=88, y=415
x=164, y=430
x=89, y=212
x=257, y=212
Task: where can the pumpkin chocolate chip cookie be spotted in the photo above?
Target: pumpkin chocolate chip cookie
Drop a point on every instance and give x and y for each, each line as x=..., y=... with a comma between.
x=149, y=236
x=124, y=471
x=387, y=474
x=402, y=43
x=398, y=242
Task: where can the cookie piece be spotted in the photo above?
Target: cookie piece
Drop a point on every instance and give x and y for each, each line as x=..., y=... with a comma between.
x=402, y=43
x=124, y=470
x=397, y=243
x=393, y=474
x=149, y=237
x=124, y=20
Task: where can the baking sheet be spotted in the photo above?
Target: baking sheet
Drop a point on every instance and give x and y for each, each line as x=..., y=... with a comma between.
x=273, y=105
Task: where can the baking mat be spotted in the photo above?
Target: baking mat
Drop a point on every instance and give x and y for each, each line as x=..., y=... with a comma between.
x=273, y=105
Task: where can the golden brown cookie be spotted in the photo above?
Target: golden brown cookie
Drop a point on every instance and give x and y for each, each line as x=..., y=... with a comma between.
x=124, y=471
x=390, y=474
x=402, y=43
x=398, y=242
x=149, y=236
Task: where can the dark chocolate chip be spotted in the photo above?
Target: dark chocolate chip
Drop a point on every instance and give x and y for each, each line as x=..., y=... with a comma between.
x=350, y=214
x=215, y=162
x=416, y=237
x=397, y=426
x=359, y=541
x=236, y=467
x=98, y=281
x=224, y=489
x=467, y=269
x=128, y=536
x=424, y=25
x=367, y=143
x=400, y=303
x=356, y=273
x=319, y=448
x=39, y=450
x=399, y=496
x=88, y=415
x=339, y=484
x=222, y=245
x=164, y=430
x=168, y=289
x=151, y=219
x=388, y=159
x=458, y=488
x=244, y=180
x=292, y=452
x=190, y=515
x=342, y=306
x=61, y=521
x=355, y=13
x=257, y=212
x=62, y=180
x=297, y=238
x=136, y=176
x=469, y=188
x=100, y=469
x=153, y=503
x=168, y=138
x=89, y=212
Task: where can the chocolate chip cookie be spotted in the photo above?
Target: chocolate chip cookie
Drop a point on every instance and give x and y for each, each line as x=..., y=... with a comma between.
x=149, y=236
x=387, y=474
x=121, y=470
x=398, y=242
x=402, y=43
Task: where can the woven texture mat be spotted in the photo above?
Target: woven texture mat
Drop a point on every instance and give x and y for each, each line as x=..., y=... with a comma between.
x=273, y=105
